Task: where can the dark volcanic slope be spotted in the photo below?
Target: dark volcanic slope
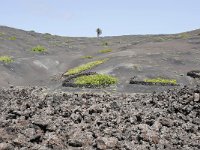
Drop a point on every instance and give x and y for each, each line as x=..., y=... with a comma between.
x=169, y=56
x=34, y=119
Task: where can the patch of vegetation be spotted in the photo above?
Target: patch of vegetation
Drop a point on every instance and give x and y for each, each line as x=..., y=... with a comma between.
x=161, y=80
x=87, y=57
x=96, y=80
x=6, y=59
x=38, y=49
x=84, y=67
x=105, y=51
x=12, y=38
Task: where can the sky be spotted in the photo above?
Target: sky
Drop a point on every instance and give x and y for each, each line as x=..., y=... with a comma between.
x=114, y=17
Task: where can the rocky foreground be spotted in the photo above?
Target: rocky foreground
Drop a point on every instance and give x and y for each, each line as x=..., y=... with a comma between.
x=33, y=118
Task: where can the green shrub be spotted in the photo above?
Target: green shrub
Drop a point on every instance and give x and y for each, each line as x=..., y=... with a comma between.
x=6, y=59
x=96, y=80
x=38, y=49
x=160, y=80
x=12, y=38
x=105, y=51
x=84, y=67
x=87, y=57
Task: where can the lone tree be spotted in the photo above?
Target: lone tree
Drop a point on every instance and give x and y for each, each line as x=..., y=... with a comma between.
x=99, y=32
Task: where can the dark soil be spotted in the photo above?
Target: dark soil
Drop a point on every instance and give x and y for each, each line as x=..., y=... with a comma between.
x=36, y=118
x=143, y=56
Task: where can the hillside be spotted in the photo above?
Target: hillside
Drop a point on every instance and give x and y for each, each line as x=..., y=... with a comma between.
x=139, y=56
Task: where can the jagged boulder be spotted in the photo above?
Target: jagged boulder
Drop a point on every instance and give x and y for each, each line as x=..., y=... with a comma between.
x=194, y=73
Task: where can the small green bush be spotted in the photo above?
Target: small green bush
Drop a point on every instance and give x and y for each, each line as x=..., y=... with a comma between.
x=87, y=57
x=38, y=49
x=6, y=59
x=160, y=80
x=105, y=51
x=12, y=38
x=84, y=67
x=96, y=80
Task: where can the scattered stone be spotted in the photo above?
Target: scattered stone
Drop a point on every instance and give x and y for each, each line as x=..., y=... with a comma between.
x=106, y=143
x=166, y=122
x=6, y=146
x=33, y=119
x=101, y=144
x=75, y=143
x=11, y=86
x=196, y=97
x=194, y=73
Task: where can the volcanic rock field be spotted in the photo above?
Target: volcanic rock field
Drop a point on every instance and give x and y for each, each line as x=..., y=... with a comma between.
x=33, y=118
x=42, y=107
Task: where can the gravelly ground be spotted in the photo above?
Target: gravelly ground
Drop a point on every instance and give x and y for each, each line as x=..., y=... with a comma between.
x=36, y=118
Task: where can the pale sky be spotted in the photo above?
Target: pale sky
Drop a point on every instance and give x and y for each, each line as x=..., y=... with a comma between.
x=114, y=17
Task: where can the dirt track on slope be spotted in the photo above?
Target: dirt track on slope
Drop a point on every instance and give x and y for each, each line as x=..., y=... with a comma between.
x=35, y=118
